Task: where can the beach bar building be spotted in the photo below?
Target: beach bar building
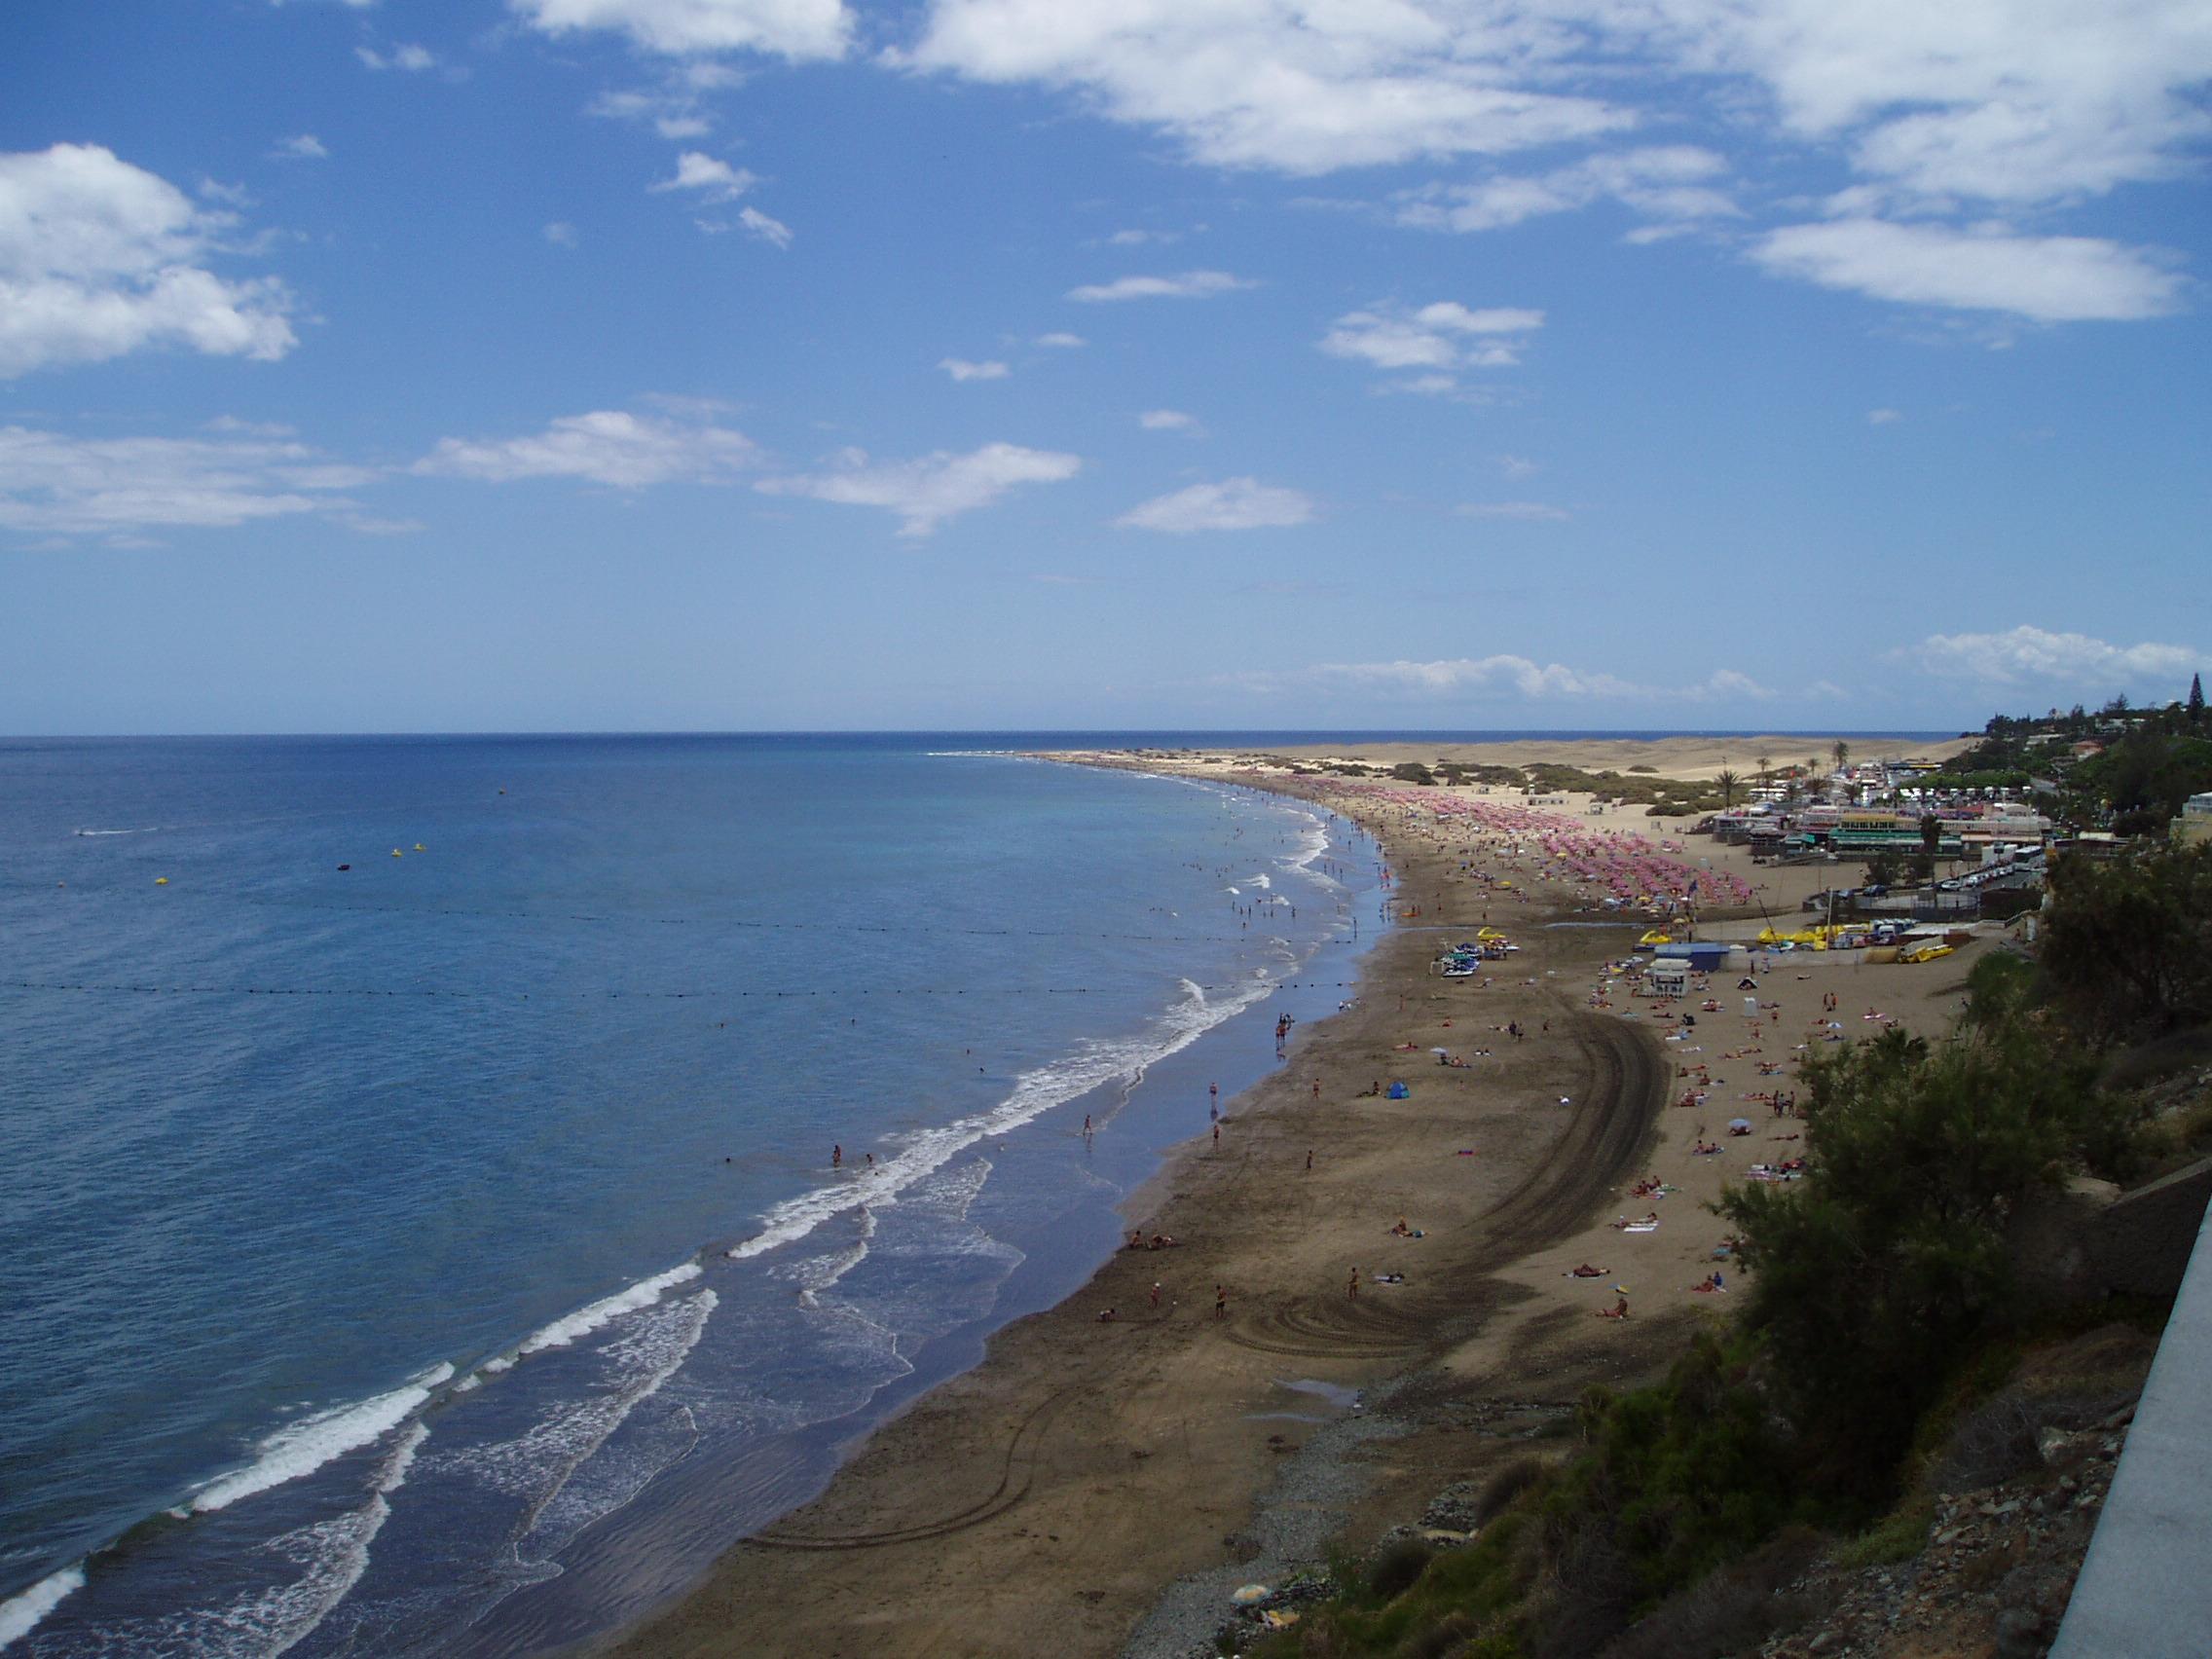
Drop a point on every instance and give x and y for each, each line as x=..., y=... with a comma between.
x=1697, y=955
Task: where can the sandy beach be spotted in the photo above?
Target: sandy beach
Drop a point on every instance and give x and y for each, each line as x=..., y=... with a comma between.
x=1049, y=1497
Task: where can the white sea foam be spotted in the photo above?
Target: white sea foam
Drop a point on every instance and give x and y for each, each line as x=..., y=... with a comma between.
x=558, y=1463
x=1095, y=1061
x=301, y=1448
x=336, y=1552
x=272, y=1619
x=1259, y=881
x=19, y=1613
x=818, y=1273
x=1314, y=843
x=585, y=1320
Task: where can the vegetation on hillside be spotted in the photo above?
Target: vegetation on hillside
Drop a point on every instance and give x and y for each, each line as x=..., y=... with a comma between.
x=2137, y=767
x=1883, y=1325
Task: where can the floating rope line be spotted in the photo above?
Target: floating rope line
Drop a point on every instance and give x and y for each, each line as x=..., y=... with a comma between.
x=95, y=988
x=881, y=928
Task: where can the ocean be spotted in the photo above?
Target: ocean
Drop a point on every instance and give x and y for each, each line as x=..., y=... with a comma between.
x=419, y=1231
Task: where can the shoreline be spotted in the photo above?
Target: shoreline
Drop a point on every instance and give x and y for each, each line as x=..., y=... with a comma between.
x=1177, y=1402
x=1117, y=1479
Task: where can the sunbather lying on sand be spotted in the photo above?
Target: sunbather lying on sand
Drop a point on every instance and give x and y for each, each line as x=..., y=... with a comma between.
x=1619, y=1311
x=1586, y=1271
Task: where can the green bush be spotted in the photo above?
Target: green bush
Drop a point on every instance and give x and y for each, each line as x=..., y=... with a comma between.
x=2129, y=940
x=1876, y=1275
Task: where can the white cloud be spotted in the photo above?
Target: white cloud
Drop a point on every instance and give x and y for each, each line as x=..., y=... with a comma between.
x=1298, y=88
x=2032, y=657
x=714, y=178
x=2046, y=279
x=1522, y=677
x=762, y=228
x=1670, y=183
x=54, y=485
x=674, y=115
x=1062, y=341
x=2002, y=100
x=250, y=428
x=960, y=369
x=1532, y=511
x=1999, y=100
x=610, y=447
x=1938, y=114
x=681, y=28
x=676, y=108
x=100, y=258
x=1234, y=504
x=926, y=492
x=1439, y=339
x=1883, y=416
x=1728, y=682
x=1190, y=285
x=1457, y=674
x=561, y=233
x=1514, y=465
x=1138, y=239
x=412, y=58
x=1167, y=421
x=301, y=147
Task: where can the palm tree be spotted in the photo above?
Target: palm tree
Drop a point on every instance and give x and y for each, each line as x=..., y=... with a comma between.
x=1842, y=754
x=1727, y=780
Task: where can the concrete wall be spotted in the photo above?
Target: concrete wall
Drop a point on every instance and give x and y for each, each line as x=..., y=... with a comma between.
x=2092, y=1239
x=2146, y=1589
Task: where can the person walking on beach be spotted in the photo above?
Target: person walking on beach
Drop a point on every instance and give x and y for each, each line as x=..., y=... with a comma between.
x=837, y=1156
x=1352, y=1288
x=1217, y=1134
x=1220, y=1303
x=1308, y=1161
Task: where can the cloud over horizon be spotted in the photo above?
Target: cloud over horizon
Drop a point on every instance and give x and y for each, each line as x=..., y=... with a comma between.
x=2029, y=656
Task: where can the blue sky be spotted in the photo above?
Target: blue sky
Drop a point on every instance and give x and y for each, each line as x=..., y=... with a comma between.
x=724, y=364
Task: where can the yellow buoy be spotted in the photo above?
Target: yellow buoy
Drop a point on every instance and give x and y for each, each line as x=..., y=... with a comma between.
x=418, y=846
x=161, y=881
x=398, y=854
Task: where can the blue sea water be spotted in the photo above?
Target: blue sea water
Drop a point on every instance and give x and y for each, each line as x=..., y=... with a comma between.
x=444, y=1253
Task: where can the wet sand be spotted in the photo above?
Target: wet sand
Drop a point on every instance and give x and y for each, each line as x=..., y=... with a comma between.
x=1047, y=1499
